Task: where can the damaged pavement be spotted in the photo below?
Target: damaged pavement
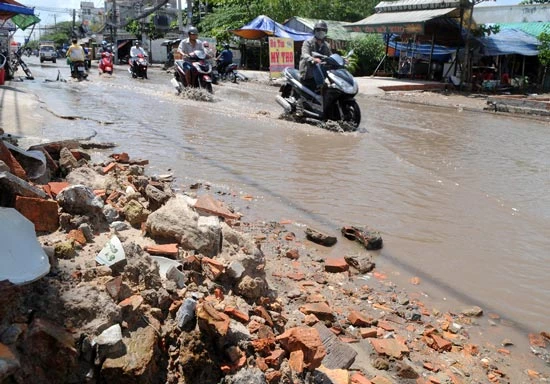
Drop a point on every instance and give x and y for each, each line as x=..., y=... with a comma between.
x=110, y=276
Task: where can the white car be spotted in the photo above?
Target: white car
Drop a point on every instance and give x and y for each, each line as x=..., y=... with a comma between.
x=47, y=53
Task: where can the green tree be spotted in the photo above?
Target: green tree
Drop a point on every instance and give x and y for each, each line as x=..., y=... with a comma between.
x=61, y=34
x=544, y=54
x=137, y=28
x=528, y=2
x=369, y=51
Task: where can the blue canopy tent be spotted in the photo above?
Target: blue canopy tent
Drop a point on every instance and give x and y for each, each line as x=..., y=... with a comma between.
x=508, y=42
x=438, y=52
x=263, y=26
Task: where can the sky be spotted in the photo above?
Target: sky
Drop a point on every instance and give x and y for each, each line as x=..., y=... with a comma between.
x=50, y=12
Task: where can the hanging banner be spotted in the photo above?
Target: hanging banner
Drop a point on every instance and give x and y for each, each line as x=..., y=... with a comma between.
x=281, y=55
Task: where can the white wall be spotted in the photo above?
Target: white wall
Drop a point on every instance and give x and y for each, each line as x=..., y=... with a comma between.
x=512, y=14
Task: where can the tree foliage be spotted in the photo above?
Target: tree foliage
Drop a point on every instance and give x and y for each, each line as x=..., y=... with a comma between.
x=544, y=49
x=61, y=34
x=369, y=51
x=137, y=28
x=231, y=14
x=485, y=30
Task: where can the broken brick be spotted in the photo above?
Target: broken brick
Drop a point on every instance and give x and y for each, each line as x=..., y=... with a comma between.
x=237, y=315
x=163, y=249
x=77, y=235
x=357, y=319
x=336, y=265
x=14, y=166
x=42, y=213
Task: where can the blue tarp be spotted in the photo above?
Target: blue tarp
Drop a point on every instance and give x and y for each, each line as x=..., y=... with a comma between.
x=508, y=42
x=263, y=26
x=440, y=52
x=15, y=9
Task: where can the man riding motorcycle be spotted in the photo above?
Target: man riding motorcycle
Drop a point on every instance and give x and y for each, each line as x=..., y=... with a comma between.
x=310, y=71
x=75, y=53
x=186, y=48
x=134, y=52
x=224, y=59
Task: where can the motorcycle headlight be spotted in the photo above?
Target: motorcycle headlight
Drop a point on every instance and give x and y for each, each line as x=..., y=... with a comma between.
x=344, y=85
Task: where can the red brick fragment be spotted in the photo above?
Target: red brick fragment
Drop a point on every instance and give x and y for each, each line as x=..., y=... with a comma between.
x=163, y=249
x=109, y=167
x=359, y=378
x=358, y=319
x=14, y=166
x=78, y=236
x=42, y=213
x=336, y=265
x=234, y=313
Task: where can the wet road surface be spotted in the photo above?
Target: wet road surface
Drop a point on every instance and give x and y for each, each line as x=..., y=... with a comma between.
x=460, y=198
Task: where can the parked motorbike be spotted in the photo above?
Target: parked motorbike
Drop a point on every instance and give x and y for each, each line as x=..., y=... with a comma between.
x=335, y=100
x=139, y=67
x=106, y=63
x=78, y=70
x=13, y=62
x=201, y=73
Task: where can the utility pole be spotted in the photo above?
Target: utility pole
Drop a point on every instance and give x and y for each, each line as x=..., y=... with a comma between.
x=189, y=12
x=115, y=44
x=180, y=19
x=74, y=22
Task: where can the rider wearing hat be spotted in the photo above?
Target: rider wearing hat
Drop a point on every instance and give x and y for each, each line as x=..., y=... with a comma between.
x=312, y=75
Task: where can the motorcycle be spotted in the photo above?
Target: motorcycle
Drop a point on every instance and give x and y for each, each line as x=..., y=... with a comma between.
x=106, y=63
x=138, y=66
x=335, y=100
x=230, y=73
x=12, y=64
x=201, y=73
x=78, y=70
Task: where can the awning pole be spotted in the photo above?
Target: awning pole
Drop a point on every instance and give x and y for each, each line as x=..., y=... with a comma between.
x=431, y=55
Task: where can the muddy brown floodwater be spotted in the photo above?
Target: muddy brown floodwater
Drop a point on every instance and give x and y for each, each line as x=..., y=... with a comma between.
x=460, y=198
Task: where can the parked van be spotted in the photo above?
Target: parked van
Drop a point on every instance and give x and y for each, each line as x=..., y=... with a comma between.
x=47, y=53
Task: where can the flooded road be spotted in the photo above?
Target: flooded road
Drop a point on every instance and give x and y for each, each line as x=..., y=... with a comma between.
x=460, y=198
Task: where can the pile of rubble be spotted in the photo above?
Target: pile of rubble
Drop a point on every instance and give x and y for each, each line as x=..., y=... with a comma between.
x=150, y=286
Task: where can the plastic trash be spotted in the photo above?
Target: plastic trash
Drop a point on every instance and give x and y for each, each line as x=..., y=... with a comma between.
x=112, y=252
x=22, y=259
x=186, y=313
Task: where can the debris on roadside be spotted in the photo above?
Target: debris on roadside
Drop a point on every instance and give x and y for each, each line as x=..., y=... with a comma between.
x=147, y=285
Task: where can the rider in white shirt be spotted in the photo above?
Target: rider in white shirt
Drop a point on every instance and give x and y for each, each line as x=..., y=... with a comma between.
x=135, y=51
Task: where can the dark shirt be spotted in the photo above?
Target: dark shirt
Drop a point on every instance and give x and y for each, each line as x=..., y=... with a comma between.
x=226, y=56
x=310, y=46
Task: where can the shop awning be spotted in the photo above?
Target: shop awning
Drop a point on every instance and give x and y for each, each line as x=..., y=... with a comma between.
x=10, y=8
x=263, y=26
x=412, y=22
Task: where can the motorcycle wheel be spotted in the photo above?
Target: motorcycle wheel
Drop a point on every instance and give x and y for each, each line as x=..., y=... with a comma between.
x=208, y=88
x=233, y=77
x=352, y=113
x=27, y=71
